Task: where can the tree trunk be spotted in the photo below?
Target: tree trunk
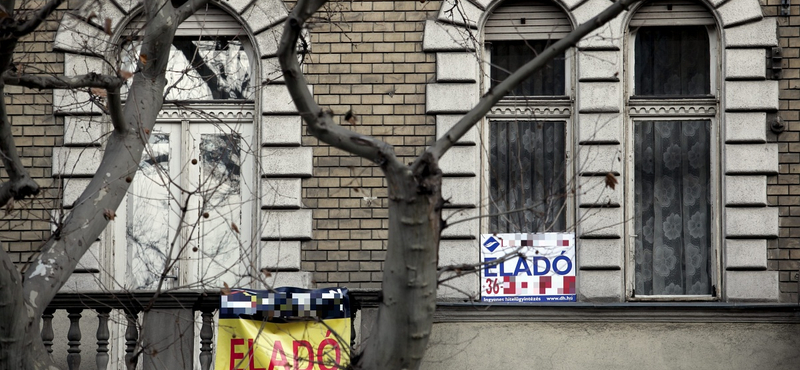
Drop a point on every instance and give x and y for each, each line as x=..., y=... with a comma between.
x=405, y=317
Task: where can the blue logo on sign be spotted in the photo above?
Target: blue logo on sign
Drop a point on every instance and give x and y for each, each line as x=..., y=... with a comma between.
x=491, y=244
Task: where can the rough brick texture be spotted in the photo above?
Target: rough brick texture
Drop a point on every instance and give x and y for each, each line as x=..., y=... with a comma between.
x=784, y=189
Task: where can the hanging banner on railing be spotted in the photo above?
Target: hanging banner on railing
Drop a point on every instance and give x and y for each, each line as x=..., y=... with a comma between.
x=288, y=328
x=525, y=268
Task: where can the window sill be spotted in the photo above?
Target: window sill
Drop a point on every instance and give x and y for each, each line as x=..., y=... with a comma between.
x=673, y=312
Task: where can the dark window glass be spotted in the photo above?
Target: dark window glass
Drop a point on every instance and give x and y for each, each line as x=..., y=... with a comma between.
x=672, y=61
x=672, y=207
x=508, y=56
x=527, y=172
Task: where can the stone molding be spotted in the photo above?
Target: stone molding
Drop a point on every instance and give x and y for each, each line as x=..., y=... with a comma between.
x=744, y=99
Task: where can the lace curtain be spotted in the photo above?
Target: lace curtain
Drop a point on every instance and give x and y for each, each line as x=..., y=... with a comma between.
x=672, y=207
x=527, y=164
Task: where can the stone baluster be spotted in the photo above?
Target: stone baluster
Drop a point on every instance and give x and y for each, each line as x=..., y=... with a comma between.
x=47, y=329
x=206, y=338
x=102, y=338
x=74, y=337
x=131, y=337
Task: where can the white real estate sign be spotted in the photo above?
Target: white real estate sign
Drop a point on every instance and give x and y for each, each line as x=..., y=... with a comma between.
x=525, y=268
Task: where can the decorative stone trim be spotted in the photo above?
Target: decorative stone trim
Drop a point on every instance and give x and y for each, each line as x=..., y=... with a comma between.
x=759, y=222
x=81, y=36
x=511, y=108
x=751, y=286
x=748, y=254
x=747, y=96
x=683, y=108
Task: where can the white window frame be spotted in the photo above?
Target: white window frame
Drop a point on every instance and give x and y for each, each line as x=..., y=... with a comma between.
x=708, y=109
x=532, y=108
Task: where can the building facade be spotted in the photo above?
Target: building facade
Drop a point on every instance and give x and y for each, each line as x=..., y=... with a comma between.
x=666, y=141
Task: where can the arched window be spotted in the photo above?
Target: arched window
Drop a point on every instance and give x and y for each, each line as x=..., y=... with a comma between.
x=672, y=107
x=528, y=130
x=192, y=198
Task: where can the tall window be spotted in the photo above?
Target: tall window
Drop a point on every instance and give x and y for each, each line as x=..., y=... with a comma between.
x=673, y=115
x=188, y=211
x=527, y=152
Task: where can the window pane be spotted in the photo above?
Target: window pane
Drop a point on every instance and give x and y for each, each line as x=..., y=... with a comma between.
x=201, y=68
x=672, y=61
x=508, y=56
x=220, y=174
x=527, y=172
x=148, y=213
x=672, y=207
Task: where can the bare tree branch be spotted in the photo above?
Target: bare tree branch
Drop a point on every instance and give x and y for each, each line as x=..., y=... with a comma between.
x=319, y=121
x=31, y=24
x=441, y=146
x=115, y=109
x=62, y=82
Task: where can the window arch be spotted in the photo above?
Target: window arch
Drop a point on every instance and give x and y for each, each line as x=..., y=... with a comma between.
x=527, y=133
x=197, y=176
x=672, y=61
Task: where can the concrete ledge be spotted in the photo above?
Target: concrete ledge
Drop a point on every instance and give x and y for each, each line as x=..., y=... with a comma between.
x=297, y=279
x=128, y=5
x=294, y=161
x=458, y=252
x=600, y=222
x=275, y=99
x=763, y=33
x=751, y=95
x=599, y=97
x=600, y=286
x=281, y=192
x=592, y=190
x=749, y=127
x=460, y=12
x=751, y=222
x=439, y=36
x=599, y=64
x=600, y=127
x=735, y=12
x=286, y=224
x=69, y=161
x=76, y=65
x=456, y=66
x=751, y=158
x=73, y=188
x=73, y=102
x=746, y=63
x=93, y=257
x=466, y=287
x=746, y=253
x=279, y=255
x=271, y=71
x=76, y=36
x=263, y=14
x=751, y=286
x=600, y=254
x=445, y=122
x=82, y=282
x=268, y=41
x=599, y=159
x=450, y=97
x=281, y=130
x=460, y=160
x=460, y=191
x=467, y=229
x=236, y=5
x=746, y=190
x=84, y=130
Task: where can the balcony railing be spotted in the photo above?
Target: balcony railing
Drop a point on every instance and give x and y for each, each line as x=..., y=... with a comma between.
x=131, y=306
x=179, y=306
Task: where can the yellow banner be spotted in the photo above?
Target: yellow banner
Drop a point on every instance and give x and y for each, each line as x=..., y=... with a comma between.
x=312, y=344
